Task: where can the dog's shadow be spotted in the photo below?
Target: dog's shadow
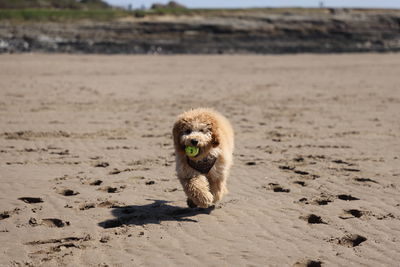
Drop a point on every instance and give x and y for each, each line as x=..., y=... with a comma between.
x=152, y=213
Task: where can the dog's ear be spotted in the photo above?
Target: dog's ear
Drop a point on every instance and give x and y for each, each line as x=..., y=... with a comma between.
x=176, y=133
x=215, y=137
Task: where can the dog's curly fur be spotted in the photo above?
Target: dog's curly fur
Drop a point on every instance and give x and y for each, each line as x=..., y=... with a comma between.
x=214, y=136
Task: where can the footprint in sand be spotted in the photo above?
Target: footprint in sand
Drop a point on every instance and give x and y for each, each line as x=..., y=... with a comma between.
x=86, y=206
x=4, y=215
x=352, y=213
x=102, y=204
x=302, y=183
x=110, y=204
x=104, y=239
x=347, y=197
x=67, y=192
x=59, y=240
x=286, y=167
x=53, y=222
x=96, y=182
x=118, y=171
x=339, y=161
x=33, y=222
x=365, y=180
x=303, y=200
x=112, y=189
x=351, y=240
x=313, y=219
x=112, y=224
x=318, y=201
x=308, y=263
x=58, y=245
x=31, y=200
x=102, y=164
x=300, y=172
x=350, y=170
x=322, y=201
x=278, y=188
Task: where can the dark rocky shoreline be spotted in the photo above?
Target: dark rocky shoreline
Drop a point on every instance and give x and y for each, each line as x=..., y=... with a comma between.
x=256, y=32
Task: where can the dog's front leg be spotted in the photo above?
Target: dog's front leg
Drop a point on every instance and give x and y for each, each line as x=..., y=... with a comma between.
x=197, y=189
x=218, y=188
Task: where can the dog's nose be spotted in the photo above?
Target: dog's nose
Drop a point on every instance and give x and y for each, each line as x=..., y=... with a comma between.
x=194, y=142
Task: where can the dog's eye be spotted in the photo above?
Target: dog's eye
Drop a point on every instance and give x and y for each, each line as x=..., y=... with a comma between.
x=203, y=130
x=188, y=131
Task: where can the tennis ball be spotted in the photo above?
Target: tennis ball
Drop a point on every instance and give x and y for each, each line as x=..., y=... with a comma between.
x=192, y=151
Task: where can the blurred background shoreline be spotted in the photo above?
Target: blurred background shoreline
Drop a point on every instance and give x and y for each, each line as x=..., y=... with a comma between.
x=96, y=27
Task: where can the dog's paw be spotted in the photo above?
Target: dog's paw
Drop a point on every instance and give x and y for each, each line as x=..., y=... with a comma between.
x=190, y=203
x=204, y=201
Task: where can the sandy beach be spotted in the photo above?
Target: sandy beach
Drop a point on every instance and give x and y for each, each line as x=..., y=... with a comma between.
x=88, y=175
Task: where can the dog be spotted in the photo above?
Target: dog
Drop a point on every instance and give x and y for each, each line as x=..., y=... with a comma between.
x=203, y=176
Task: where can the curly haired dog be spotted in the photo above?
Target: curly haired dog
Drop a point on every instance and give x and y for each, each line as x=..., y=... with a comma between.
x=203, y=176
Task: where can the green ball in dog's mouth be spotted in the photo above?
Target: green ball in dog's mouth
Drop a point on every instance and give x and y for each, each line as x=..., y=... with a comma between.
x=192, y=151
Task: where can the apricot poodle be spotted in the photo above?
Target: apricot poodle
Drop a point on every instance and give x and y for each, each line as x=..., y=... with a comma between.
x=204, y=142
